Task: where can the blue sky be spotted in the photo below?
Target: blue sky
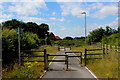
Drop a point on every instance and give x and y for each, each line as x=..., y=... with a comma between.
x=64, y=18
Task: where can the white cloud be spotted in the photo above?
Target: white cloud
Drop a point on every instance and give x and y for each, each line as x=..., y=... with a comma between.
x=53, y=13
x=27, y=8
x=55, y=19
x=52, y=18
x=74, y=9
x=60, y=0
x=31, y=19
x=96, y=10
x=105, y=11
x=5, y=16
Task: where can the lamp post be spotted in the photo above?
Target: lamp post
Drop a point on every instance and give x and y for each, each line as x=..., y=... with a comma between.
x=85, y=37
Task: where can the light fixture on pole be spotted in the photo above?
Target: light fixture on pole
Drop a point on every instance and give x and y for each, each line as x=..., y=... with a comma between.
x=85, y=28
x=85, y=36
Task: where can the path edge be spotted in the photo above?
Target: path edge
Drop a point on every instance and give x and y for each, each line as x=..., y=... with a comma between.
x=45, y=70
x=89, y=70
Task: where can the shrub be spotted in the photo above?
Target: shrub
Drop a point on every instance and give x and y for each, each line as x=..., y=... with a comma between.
x=9, y=45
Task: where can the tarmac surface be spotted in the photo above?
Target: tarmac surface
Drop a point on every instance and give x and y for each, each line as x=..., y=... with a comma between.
x=76, y=72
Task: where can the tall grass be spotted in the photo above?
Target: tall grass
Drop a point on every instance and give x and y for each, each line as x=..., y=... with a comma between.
x=29, y=70
x=102, y=68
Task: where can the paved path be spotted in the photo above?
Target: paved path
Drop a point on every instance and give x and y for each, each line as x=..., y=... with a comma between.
x=77, y=72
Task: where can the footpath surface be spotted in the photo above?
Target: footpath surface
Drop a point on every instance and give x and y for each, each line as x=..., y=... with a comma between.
x=57, y=71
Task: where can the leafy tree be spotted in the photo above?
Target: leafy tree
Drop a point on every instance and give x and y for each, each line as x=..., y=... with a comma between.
x=12, y=24
x=68, y=38
x=43, y=29
x=96, y=35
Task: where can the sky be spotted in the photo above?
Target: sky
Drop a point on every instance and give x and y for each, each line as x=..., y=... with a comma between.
x=64, y=18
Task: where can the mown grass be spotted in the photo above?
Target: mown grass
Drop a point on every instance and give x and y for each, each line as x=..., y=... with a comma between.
x=29, y=70
x=102, y=68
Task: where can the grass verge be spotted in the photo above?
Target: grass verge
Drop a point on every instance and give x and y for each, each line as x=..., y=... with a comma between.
x=29, y=70
x=102, y=68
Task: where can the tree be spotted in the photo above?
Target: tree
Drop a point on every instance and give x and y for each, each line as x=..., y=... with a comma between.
x=96, y=35
x=68, y=38
x=42, y=30
x=12, y=24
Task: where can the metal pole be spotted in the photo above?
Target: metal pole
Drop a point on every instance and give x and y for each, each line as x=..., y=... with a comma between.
x=85, y=31
x=85, y=57
x=85, y=41
x=19, y=44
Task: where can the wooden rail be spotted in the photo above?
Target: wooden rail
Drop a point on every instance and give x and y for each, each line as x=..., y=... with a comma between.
x=44, y=56
x=95, y=54
x=33, y=61
x=93, y=49
x=66, y=60
x=81, y=57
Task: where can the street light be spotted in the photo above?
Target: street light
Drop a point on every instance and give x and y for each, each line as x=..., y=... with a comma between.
x=85, y=37
x=85, y=28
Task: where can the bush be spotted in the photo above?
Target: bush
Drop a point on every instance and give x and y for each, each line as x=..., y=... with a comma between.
x=29, y=41
x=9, y=45
x=113, y=39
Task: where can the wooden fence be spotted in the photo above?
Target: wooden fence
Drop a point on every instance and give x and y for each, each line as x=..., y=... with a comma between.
x=105, y=48
x=81, y=57
x=45, y=56
x=44, y=51
x=111, y=48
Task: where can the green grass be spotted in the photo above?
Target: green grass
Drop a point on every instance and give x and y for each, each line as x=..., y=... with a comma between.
x=102, y=68
x=29, y=70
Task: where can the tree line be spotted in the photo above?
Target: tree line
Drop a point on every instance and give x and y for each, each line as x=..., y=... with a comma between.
x=32, y=37
x=99, y=35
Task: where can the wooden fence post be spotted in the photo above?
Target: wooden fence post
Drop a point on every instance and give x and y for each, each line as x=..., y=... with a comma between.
x=115, y=48
x=106, y=49
x=85, y=56
x=81, y=57
x=103, y=51
x=47, y=61
x=67, y=60
x=45, y=57
x=58, y=48
x=101, y=45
